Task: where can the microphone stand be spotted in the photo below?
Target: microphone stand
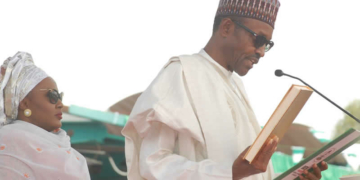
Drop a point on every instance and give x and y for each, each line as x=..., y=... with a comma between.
x=280, y=73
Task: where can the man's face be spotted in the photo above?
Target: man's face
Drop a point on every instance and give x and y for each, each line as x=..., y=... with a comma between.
x=240, y=47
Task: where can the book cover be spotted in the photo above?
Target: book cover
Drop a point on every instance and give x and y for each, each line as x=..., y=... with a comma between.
x=326, y=153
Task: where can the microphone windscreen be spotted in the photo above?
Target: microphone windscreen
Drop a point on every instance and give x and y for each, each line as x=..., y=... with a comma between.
x=279, y=73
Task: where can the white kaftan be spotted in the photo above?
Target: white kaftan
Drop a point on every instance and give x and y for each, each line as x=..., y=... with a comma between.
x=192, y=122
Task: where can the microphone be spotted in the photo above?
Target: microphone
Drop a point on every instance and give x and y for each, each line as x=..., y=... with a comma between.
x=280, y=73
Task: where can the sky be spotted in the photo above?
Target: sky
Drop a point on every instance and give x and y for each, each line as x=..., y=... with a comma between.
x=100, y=52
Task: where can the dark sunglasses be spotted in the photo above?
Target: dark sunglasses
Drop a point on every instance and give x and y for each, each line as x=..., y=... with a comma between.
x=53, y=95
x=260, y=40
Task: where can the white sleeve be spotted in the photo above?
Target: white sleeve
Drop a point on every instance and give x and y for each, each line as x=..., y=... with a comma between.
x=158, y=160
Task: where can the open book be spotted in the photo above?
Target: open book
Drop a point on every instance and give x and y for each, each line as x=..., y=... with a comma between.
x=324, y=154
x=281, y=119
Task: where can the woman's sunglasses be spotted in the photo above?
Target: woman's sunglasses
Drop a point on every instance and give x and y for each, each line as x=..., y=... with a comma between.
x=260, y=41
x=53, y=95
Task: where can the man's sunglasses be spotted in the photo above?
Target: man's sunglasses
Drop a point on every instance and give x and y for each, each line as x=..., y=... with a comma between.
x=53, y=95
x=260, y=40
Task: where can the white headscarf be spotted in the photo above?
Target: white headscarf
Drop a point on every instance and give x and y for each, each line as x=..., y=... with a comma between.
x=20, y=77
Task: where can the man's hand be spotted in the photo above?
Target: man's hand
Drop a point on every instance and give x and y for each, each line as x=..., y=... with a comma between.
x=241, y=168
x=317, y=172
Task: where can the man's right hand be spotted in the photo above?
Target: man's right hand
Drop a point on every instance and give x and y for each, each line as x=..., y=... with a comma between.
x=242, y=168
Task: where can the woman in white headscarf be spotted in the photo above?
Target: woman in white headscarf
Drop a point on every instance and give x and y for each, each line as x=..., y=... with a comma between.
x=32, y=143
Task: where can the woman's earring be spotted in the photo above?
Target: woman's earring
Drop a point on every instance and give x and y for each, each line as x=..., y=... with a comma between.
x=27, y=112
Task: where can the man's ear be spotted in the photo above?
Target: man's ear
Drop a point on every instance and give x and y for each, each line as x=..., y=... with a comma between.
x=226, y=27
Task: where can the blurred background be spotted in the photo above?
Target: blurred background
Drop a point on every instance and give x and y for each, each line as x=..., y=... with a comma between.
x=103, y=54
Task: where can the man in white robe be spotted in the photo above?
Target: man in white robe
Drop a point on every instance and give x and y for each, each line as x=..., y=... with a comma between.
x=195, y=121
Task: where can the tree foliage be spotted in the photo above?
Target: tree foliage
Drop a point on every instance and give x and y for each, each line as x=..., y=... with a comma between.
x=347, y=122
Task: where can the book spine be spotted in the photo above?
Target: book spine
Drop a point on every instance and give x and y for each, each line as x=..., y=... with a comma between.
x=258, y=143
x=324, y=154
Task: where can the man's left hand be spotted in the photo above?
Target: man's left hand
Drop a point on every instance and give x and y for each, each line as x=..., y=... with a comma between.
x=316, y=174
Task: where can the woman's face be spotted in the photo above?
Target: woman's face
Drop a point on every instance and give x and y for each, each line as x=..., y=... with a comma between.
x=45, y=113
